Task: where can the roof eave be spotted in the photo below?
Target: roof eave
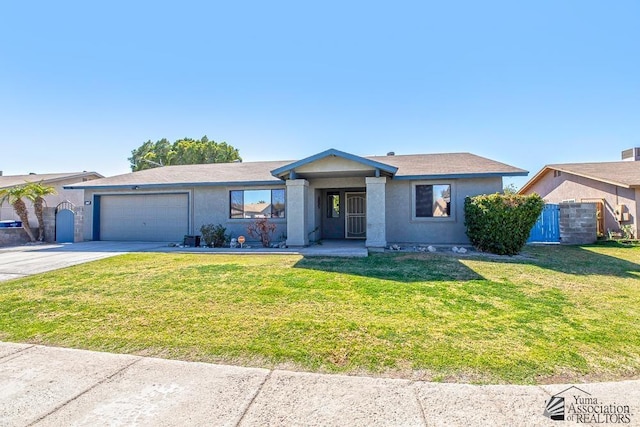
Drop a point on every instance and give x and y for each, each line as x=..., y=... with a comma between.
x=460, y=175
x=135, y=186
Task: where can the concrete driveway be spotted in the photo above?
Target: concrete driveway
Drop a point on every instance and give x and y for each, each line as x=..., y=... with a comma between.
x=21, y=261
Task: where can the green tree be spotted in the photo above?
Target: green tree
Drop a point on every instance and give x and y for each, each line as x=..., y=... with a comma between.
x=185, y=151
x=14, y=196
x=37, y=192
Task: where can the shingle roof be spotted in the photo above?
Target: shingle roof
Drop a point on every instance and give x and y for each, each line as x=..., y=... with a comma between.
x=447, y=165
x=623, y=173
x=7, y=181
x=418, y=166
x=207, y=174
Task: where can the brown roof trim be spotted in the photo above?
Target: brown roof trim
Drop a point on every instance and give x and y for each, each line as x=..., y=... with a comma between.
x=534, y=179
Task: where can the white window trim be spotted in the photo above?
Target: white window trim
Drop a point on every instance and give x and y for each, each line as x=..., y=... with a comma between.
x=450, y=218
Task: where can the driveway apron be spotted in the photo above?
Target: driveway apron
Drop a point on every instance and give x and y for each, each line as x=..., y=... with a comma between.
x=21, y=261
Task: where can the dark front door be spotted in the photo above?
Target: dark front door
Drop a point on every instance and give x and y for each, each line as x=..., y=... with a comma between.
x=333, y=215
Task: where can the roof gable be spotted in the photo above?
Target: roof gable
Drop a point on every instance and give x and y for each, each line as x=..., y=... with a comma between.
x=332, y=162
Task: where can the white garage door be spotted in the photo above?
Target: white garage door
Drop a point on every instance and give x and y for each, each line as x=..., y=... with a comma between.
x=144, y=217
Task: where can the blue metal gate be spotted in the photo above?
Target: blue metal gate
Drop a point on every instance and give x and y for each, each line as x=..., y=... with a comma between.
x=547, y=228
x=64, y=226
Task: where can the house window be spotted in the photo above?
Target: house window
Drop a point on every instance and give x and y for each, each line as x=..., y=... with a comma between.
x=433, y=201
x=333, y=205
x=557, y=174
x=257, y=203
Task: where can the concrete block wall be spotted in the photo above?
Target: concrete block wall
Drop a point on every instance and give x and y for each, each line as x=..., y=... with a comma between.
x=578, y=223
x=49, y=217
x=78, y=224
x=13, y=236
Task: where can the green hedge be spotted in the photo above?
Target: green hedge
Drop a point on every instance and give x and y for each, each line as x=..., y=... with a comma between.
x=501, y=223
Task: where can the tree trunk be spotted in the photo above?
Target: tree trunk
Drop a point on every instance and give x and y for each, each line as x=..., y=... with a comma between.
x=38, y=207
x=21, y=210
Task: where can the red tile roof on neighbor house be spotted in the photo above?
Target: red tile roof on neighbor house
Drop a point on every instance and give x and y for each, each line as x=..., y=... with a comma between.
x=416, y=166
x=623, y=173
x=7, y=181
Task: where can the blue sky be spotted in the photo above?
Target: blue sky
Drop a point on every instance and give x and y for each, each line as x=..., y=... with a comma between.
x=525, y=83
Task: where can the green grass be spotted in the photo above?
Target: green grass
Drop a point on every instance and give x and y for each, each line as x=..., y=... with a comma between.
x=555, y=314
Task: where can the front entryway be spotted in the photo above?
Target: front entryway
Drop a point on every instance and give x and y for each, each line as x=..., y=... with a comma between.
x=344, y=214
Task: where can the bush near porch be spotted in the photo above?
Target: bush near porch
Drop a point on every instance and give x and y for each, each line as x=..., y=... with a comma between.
x=501, y=223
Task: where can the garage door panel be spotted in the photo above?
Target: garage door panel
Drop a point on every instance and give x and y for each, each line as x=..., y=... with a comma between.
x=144, y=217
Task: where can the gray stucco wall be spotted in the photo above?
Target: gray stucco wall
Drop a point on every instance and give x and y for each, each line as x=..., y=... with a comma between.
x=207, y=205
x=211, y=205
x=403, y=228
x=567, y=186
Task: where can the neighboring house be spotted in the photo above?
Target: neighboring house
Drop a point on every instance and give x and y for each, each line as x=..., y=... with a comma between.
x=55, y=180
x=330, y=195
x=613, y=186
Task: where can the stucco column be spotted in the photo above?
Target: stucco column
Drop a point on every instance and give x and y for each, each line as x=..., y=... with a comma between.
x=376, y=213
x=636, y=215
x=297, y=190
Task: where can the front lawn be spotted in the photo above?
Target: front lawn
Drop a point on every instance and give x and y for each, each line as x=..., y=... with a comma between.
x=557, y=314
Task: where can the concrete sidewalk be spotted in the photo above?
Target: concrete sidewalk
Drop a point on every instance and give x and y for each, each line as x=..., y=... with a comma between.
x=47, y=386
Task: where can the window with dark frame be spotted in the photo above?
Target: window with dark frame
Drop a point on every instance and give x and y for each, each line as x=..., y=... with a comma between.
x=248, y=204
x=433, y=201
x=333, y=205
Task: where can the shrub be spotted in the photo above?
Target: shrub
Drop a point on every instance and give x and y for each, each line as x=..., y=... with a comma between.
x=214, y=236
x=262, y=229
x=501, y=223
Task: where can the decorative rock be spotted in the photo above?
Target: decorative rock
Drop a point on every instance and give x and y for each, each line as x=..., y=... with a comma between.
x=455, y=249
x=462, y=251
x=282, y=245
x=394, y=247
x=431, y=248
